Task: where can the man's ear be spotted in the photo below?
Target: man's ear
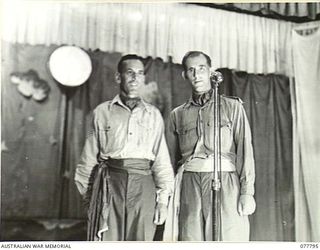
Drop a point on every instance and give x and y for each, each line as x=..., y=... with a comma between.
x=183, y=74
x=117, y=77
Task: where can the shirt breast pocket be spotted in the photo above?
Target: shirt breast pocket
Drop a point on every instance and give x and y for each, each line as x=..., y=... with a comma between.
x=144, y=125
x=105, y=135
x=226, y=134
x=187, y=135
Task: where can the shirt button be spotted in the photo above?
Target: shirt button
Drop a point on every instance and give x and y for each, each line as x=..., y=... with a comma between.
x=130, y=133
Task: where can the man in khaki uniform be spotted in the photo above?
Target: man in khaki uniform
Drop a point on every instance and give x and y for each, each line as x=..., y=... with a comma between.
x=190, y=141
x=134, y=179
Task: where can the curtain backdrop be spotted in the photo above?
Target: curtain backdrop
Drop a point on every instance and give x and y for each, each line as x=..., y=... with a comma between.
x=236, y=41
x=306, y=52
x=44, y=140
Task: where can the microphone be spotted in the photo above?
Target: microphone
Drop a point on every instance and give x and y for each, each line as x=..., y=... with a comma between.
x=216, y=77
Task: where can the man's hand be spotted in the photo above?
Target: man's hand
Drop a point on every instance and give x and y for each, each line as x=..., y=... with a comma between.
x=160, y=214
x=246, y=205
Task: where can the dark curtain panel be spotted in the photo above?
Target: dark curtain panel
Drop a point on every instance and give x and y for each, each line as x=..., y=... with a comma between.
x=43, y=141
x=268, y=107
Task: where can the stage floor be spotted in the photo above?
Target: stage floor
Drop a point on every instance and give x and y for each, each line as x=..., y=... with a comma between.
x=49, y=230
x=43, y=230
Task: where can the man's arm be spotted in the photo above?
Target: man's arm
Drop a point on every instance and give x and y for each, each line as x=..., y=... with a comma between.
x=172, y=140
x=163, y=174
x=162, y=169
x=88, y=158
x=245, y=161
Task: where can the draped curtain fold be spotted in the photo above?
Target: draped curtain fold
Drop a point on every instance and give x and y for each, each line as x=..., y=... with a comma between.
x=306, y=55
x=235, y=41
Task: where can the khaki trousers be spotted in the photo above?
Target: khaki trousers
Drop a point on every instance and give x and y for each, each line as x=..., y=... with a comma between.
x=195, y=217
x=132, y=205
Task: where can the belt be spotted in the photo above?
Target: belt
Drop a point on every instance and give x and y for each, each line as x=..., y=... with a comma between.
x=131, y=166
x=206, y=165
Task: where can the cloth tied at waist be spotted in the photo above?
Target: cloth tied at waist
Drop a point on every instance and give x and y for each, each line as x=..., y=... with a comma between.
x=99, y=206
x=131, y=166
x=206, y=164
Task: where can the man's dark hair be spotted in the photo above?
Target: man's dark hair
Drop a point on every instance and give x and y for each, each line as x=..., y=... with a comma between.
x=128, y=57
x=194, y=53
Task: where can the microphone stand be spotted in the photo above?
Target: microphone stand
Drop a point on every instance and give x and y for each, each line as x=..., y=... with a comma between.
x=216, y=79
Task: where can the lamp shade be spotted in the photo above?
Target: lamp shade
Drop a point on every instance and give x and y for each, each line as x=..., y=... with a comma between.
x=70, y=65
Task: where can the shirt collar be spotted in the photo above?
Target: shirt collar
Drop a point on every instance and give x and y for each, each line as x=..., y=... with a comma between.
x=117, y=99
x=190, y=102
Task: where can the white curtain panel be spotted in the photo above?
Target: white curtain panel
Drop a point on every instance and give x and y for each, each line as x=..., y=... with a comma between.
x=306, y=58
x=236, y=41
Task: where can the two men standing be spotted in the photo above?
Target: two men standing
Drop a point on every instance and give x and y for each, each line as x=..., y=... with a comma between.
x=134, y=177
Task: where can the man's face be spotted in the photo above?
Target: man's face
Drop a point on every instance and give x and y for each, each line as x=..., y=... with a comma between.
x=198, y=74
x=132, y=77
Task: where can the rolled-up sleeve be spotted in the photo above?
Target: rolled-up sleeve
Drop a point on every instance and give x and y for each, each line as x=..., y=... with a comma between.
x=162, y=169
x=89, y=157
x=244, y=151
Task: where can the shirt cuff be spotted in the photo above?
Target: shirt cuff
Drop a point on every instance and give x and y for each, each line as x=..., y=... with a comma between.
x=162, y=197
x=246, y=189
x=82, y=190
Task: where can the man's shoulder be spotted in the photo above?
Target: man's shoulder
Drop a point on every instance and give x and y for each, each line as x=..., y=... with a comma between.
x=231, y=99
x=152, y=108
x=179, y=108
x=103, y=106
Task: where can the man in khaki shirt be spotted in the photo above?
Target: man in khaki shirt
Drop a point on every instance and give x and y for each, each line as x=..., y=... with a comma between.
x=190, y=141
x=130, y=189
